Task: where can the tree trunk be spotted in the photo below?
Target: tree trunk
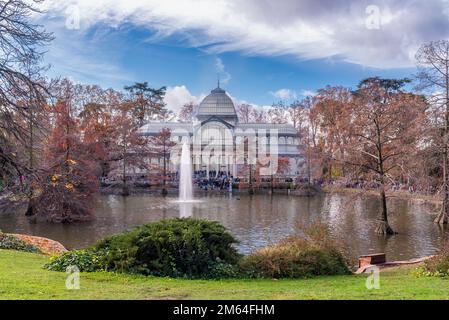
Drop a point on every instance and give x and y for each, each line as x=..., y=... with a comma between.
x=442, y=217
x=30, y=209
x=125, y=189
x=383, y=227
x=251, y=189
x=164, y=190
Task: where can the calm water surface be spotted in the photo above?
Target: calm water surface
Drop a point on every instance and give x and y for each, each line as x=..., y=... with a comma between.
x=257, y=221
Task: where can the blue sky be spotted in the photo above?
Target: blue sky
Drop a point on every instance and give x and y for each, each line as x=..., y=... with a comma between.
x=260, y=55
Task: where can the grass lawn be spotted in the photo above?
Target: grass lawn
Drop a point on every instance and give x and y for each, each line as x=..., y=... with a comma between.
x=22, y=277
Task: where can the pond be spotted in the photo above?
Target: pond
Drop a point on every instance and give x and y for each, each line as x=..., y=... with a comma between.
x=257, y=221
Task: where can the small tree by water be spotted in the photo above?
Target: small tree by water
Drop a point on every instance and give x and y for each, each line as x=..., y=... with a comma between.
x=69, y=179
x=385, y=125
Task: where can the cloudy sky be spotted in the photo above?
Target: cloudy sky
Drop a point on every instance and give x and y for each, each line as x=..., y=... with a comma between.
x=262, y=50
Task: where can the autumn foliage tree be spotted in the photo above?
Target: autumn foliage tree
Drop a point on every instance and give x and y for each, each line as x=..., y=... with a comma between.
x=385, y=124
x=131, y=147
x=69, y=179
x=160, y=148
x=99, y=127
x=147, y=103
x=332, y=113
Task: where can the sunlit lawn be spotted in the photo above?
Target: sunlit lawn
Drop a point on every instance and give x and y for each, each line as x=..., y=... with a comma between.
x=22, y=277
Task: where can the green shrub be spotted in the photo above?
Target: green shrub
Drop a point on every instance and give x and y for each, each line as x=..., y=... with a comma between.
x=10, y=242
x=203, y=249
x=297, y=257
x=176, y=248
x=438, y=265
x=85, y=260
x=222, y=270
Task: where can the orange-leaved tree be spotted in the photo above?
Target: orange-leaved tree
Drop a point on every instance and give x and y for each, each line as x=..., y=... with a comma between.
x=69, y=178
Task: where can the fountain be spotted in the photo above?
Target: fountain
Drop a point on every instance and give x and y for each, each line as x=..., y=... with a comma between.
x=185, y=200
x=185, y=180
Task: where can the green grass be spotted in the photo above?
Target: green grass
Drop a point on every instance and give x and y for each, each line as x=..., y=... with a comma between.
x=22, y=277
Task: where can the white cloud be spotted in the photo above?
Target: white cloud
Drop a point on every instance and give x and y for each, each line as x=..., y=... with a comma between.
x=307, y=29
x=238, y=101
x=222, y=73
x=308, y=93
x=84, y=60
x=176, y=97
x=219, y=65
x=284, y=94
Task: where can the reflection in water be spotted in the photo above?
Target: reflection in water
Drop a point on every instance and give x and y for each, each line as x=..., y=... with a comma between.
x=185, y=209
x=185, y=180
x=258, y=220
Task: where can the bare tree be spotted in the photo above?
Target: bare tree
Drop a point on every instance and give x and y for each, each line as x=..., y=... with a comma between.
x=22, y=88
x=187, y=112
x=259, y=115
x=287, y=113
x=251, y=114
x=433, y=76
x=244, y=112
x=308, y=137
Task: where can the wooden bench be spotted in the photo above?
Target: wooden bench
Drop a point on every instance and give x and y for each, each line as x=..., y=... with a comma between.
x=370, y=259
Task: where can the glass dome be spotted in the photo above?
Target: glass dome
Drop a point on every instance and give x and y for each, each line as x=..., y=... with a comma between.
x=217, y=103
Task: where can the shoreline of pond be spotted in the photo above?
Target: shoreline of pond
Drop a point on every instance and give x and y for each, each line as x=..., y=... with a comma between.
x=302, y=191
x=403, y=195
x=7, y=204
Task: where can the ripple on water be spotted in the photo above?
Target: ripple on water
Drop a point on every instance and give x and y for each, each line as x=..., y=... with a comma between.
x=256, y=221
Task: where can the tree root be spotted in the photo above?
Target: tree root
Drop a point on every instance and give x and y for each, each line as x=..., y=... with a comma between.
x=125, y=191
x=383, y=228
x=442, y=217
